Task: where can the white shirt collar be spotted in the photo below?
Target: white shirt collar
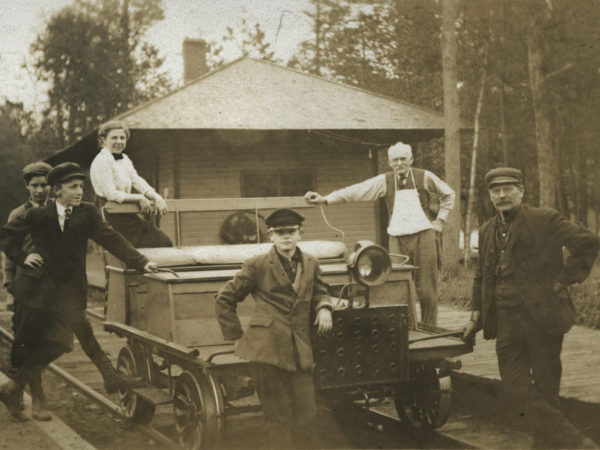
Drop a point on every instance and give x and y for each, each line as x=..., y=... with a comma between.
x=60, y=209
x=108, y=153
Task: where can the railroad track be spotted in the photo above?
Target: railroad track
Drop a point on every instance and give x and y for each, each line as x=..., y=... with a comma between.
x=102, y=400
x=380, y=423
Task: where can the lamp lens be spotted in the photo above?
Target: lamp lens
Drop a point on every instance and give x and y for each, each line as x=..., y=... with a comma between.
x=365, y=266
x=372, y=266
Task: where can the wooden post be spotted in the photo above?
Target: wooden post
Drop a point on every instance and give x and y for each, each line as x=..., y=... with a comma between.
x=451, y=251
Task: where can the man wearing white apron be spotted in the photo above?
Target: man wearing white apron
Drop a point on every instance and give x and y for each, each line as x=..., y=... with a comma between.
x=412, y=226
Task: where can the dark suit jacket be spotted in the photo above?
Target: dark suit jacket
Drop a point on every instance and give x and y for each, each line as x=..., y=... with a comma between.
x=60, y=286
x=280, y=327
x=536, y=240
x=10, y=269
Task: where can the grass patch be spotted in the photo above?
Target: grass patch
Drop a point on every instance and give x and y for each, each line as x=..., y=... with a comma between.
x=585, y=299
x=456, y=290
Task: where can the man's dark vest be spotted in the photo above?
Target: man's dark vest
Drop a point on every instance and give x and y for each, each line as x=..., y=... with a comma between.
x=390, y=195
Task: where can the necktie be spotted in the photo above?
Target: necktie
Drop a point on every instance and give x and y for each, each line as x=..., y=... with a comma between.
x=117, y=156
x=402, y=181
x=67, y=217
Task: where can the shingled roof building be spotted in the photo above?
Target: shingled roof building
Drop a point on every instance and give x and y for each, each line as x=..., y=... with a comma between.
x=256, y=129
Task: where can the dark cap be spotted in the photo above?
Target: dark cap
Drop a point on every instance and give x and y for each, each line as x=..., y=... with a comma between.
x=65, y=172
x=284, y=218
x=36, y=169
x=503, y=175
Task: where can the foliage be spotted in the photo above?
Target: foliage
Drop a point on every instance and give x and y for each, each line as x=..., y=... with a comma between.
x=95, y=59
x=247, y=40
x=393, y=47
x=21, y=141
x=457, y=290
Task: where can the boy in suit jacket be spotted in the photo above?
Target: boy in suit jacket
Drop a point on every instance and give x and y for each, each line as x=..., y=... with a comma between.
x=53, y=285
x=35, y=176
x=288, y=290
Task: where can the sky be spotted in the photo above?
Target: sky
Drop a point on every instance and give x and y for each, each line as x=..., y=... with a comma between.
x=283, y=22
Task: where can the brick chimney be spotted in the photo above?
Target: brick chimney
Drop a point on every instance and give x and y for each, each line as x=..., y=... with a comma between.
x=194, y=59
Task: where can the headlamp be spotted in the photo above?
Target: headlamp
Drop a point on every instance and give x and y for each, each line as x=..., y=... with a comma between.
x=369, y=264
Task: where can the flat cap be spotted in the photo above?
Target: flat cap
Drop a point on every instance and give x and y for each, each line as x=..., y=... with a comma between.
x=36, y=169
x=65, y=172
x=502, y=175
x=284, y=218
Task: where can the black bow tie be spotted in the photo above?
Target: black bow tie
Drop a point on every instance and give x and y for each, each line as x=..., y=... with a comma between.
x=117, y=156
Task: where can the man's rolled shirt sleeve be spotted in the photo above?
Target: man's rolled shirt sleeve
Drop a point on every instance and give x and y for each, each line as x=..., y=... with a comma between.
x=365, y=191
x=446, y=194
x=138, y=183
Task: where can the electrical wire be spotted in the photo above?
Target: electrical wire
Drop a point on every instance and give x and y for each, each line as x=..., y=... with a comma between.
x=331, y=226
x=353, y=140
x=406, y=257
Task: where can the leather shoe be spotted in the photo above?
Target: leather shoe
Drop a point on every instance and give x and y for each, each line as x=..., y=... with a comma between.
x=10, y=392
x=39, y=411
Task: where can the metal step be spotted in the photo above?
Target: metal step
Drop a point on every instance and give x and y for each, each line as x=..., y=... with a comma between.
x=154, y=395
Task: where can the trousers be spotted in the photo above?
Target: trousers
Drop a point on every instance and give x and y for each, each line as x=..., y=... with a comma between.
x=33, y=363
x=530, y=369
x=288, y=402
x=85, y=335
x=138, y=231
x=422, y=249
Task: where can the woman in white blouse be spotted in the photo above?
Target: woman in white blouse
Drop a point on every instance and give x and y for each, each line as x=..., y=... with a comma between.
x=115, y=179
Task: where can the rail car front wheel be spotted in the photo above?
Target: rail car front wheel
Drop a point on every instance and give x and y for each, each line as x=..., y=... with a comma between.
x=134, y=408
x=198, y=411
x=425, y=404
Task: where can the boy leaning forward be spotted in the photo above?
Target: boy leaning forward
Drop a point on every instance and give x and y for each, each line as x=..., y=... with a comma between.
x=289, y=292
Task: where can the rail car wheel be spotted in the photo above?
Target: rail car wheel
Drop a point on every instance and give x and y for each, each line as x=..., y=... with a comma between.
x=134, y=407
x=198, y=410
x=425, y=405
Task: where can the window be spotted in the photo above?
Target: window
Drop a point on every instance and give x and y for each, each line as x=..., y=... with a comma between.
x=277, y=183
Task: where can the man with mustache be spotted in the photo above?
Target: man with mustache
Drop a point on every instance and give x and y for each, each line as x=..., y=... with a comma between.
x=520, y=298
x=413, y=225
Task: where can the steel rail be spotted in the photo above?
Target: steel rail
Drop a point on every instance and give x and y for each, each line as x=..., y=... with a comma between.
x=376, y=419
x=437, y=439
x=383, y=422
x=101, y=399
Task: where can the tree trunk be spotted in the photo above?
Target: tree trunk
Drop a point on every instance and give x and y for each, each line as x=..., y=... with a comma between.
x=503, y=127
x=451, y=251
x=561, y=188
x=472, y=197
x=543, y=119
x=581, y=181
x=318, y=24
x=502, y=109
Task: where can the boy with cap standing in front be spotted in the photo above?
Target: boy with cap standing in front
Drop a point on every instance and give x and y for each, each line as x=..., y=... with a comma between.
x=288, y=291
x=520, y=298
x=54, y=287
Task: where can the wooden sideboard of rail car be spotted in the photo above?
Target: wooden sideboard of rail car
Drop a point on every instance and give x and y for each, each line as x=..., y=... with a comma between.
x=377, y=347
